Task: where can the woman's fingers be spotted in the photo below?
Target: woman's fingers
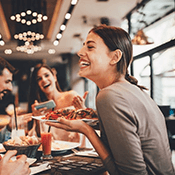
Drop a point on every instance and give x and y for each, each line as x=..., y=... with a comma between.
x=85, y=94
x=68, y=125
x=9, y=155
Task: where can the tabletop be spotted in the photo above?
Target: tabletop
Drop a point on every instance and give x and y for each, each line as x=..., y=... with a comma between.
x=70, y=164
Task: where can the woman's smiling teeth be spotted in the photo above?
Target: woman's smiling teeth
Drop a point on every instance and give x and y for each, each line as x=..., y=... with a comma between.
x=84, y=63
x=47, y=85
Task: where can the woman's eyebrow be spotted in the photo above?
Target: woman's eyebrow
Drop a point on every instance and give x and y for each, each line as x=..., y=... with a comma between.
x=88, y=42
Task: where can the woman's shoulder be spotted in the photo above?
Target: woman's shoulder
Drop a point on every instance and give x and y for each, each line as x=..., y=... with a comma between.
x=70, y=93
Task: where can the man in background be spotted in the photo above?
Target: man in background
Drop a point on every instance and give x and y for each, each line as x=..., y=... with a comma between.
x=19, y=166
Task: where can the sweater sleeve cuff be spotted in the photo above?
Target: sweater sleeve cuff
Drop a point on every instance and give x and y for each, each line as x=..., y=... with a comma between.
x=110, y=166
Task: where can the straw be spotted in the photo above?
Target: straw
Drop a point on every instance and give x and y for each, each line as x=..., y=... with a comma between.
x=15, y=115
x=50, y=126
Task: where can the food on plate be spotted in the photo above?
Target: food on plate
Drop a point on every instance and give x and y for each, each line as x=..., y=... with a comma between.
x=23, y=140
x=71, y=114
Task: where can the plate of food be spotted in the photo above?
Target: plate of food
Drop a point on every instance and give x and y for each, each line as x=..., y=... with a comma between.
x=61, y=146
x=87, y=115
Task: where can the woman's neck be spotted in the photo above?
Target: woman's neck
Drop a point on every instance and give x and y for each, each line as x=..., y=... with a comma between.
x=107, y=81
x=55, y=95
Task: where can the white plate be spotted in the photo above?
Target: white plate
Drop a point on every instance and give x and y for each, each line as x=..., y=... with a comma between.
x=60, y=146
x=2, y=149
x=55, y=121
x=40, y=118
x=29, y=160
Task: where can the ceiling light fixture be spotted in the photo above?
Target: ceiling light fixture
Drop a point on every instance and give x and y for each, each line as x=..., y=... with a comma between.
x=26, y=9
x=141, y=39
x=63, y=25
x=29, y=27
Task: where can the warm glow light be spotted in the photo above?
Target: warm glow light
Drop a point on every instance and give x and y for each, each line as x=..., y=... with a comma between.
x=63, y=27
x=67, y=16
x=23, y=14
x=45, y=17
x=40, y=15
x=18, y=19
x=34, y=14
x=59, y=35
x=2, y=43
x=28, y=23
x=8, y=51
x=29, y=12
x=51, y=51
x=17, y=15
x=42, y=36
x=29, y=32
x=16, y=36
x=12, y=17
x=34, y=21
x=39, y=19
x=73, y=2
x=55, y=43
x=23, y=21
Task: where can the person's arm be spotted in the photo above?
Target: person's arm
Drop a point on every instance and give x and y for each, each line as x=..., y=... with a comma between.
x=19, y=166
x=89, y=132
x=82, y=127
x=5, y=134
x=119, y=128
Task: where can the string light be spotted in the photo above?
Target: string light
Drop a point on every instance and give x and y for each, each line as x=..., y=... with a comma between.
x=63, y=25
x=2, y=43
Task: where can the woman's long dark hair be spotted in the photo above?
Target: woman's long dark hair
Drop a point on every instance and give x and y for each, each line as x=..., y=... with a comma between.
x=35, y=92
x=117, y=38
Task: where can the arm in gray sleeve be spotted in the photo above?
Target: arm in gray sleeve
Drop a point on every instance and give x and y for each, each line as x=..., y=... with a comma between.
x=120, y=129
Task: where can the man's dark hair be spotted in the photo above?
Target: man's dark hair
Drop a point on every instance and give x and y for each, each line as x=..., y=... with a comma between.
x=4, y=64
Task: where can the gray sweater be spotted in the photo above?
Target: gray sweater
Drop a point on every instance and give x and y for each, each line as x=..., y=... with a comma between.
x=134, y=130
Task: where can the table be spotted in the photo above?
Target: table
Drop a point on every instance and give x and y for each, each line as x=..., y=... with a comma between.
x=70, y=164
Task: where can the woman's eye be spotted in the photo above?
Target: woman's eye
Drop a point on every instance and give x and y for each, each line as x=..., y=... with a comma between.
x=47, y=75
x=90, y=47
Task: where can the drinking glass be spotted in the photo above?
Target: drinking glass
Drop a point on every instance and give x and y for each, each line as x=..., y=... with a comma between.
x=46, y=140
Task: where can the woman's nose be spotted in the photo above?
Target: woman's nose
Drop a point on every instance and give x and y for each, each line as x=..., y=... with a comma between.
x=80, y=52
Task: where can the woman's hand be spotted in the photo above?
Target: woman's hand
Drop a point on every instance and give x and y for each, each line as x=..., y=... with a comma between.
x=24, y=118
x=17, y=167
x=79, y=102
x=70, y=125
x=38, y=112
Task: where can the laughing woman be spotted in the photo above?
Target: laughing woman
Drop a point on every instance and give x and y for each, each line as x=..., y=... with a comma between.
x=44, y=86
x=133, y=132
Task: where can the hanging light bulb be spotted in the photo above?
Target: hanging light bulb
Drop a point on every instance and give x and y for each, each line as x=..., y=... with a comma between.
x=141, y=39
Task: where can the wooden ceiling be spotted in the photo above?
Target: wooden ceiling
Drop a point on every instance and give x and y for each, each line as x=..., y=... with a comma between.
x=53, y=7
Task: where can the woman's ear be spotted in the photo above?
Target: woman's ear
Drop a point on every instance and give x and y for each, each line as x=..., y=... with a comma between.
x=117, y=55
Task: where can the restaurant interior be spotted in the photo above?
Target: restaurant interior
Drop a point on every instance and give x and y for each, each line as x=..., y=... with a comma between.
x=56, y=32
